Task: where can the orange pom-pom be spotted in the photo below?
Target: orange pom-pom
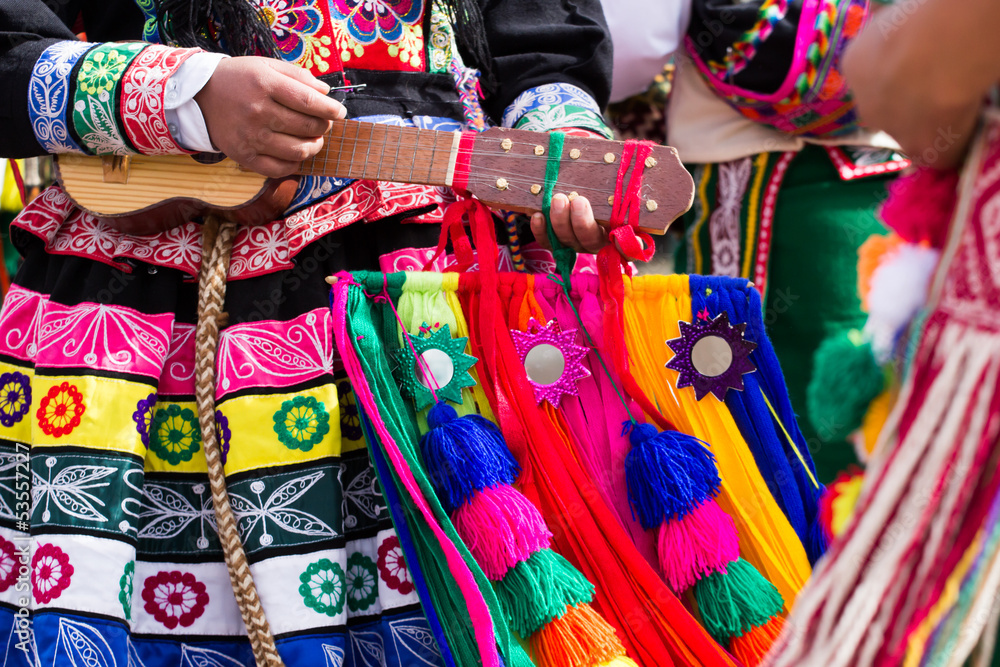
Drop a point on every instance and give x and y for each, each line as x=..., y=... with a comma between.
x=855, y=21
x=751, y=648
x=578, y=638
x=870, y=255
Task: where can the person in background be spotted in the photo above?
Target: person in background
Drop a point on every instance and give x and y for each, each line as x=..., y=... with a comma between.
x=784, y=205
x=914, y=578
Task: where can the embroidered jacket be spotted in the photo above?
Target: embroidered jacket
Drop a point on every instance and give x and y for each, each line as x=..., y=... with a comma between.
x=551, y=59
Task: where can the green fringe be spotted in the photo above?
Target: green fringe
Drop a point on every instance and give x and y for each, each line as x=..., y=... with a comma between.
x=536, y=591
x=518, y=657
x=733, y=602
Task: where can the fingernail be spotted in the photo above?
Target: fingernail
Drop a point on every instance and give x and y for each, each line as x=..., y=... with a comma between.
x=537, y=219
x=579, y=205
x=559, y=203
x=326, y=86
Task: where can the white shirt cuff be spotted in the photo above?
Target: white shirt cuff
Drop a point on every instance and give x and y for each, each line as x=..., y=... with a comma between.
x=184, y=118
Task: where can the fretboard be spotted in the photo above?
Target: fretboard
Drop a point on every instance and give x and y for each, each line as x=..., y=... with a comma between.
x=373, y=151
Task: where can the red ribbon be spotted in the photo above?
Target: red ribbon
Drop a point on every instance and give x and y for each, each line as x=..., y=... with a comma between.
x=612, y=263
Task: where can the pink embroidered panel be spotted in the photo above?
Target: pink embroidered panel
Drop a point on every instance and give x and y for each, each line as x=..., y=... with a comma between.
x=98, y=336
x=275, y=354
x=19, y=322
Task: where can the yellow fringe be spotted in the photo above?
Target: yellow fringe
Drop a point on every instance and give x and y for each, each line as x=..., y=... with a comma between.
x=653, y=307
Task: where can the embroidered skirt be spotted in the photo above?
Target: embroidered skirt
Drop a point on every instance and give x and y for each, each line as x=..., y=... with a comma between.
x=108, y=548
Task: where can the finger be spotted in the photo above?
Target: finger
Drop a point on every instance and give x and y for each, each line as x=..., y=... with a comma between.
x=270, y=166
x=298, y=96
x=538, y=230
x=561, y=225
x=588, y=233
x=287, y=148
x=299, y=74
x=285, y=121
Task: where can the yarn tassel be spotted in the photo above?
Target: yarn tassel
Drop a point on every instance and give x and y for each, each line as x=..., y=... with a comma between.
x=578, y=638
x=668, y=473
x=750, y=648
x=733, y=603
x=620, y=661
x=537, y=591
x=702, y=542
x=464, y=455
x=502, y=528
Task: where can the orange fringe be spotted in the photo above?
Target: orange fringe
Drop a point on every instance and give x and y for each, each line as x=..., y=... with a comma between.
x=578, y=638
x=751, y=648
x=870, y=255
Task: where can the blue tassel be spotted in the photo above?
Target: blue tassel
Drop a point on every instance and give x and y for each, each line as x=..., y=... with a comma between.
x=668, y=474
x=464, y=455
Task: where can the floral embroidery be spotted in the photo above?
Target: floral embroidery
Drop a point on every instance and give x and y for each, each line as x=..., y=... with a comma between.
x=392, y=566
x=125, y=585
x=322, y=587
x=60, y=410
x=174, y=598
x=361, y=580
x=15, y=397
x=222, y=434
x=350, y=420
x=301, y=423
x=296, y=25
x=370, y=20
x=174, y=434
x=50, y=573
x=9, y=564
x=143, y=417
x=102, y=71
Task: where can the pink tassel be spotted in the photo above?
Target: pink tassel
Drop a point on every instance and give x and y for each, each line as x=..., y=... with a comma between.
x=702, y=542
x=501, y=528
x=920, y=205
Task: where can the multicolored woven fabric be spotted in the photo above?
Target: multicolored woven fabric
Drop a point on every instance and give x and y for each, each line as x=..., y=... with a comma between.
x=812, y=98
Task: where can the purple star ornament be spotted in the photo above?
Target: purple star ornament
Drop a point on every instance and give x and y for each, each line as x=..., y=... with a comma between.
x=711, y=357
x=552, y=360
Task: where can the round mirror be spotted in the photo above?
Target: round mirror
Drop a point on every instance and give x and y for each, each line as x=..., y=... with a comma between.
x=437, y=364
x=545, y=364
x=712, y=356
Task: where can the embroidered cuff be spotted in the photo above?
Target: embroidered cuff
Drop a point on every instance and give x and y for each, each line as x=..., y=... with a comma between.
x=549, y=95
x=562, y=117
x=146, y=98
x=118, y=102
x=49, y=91
x=184, y=117
x=555, y=106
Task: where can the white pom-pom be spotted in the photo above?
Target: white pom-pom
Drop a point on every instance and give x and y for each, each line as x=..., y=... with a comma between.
x=898, y=291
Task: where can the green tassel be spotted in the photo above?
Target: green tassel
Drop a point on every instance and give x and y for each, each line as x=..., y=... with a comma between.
x=845, y=380
x=537, y=590
x=518, y=657
x=734, y=601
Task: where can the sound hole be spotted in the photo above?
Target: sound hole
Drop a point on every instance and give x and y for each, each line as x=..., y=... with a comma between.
x=209, y=158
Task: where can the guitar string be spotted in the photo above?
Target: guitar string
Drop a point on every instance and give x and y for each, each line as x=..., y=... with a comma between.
x=477, y=170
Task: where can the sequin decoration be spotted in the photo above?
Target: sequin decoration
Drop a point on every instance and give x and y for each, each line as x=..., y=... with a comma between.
x=443, y=366
x=711, y=357
x=552, y=360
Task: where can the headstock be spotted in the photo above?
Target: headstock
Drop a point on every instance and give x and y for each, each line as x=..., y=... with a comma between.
x=507, y=170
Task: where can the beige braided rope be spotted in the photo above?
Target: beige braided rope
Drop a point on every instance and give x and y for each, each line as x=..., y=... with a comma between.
x=217, y=243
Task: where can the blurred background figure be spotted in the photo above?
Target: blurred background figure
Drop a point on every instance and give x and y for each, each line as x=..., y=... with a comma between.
x=788, y=183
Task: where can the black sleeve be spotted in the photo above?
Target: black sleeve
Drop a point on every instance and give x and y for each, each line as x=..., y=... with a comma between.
x=534, y=42
x=27, y=28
